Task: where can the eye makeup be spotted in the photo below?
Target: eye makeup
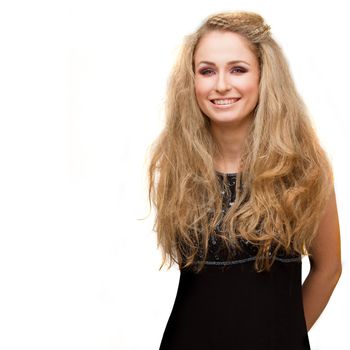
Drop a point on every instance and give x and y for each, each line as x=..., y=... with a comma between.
x=205, y=70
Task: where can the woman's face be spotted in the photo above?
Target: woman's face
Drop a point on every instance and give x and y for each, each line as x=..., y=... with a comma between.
x=219, y=78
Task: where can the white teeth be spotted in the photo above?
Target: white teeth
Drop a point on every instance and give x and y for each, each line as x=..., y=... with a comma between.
x=226, y=101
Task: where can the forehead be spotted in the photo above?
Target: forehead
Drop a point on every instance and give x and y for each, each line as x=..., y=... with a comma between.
x=220, y=47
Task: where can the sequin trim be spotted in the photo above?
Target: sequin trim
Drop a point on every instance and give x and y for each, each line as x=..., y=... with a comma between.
x=241, y=261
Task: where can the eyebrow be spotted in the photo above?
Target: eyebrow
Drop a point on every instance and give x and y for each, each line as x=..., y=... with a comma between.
x=228, y=63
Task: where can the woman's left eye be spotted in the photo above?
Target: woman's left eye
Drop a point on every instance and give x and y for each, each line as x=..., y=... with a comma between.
x=241, y=70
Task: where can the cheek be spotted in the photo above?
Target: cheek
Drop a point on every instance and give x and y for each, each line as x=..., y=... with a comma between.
x=254, y=85
x=203, y=88
x=251, y=89
x=199, y=89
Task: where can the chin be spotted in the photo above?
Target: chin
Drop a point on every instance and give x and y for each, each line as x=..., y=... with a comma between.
x=238, y=117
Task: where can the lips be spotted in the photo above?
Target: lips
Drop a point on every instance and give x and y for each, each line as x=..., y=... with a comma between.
x=225, y=98
x=228, y=104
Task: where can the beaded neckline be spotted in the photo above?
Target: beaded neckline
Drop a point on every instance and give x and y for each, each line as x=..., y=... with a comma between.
x=229, y=174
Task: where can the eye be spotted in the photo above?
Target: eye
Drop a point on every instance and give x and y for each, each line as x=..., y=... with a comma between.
x=205, y=71
x=240, y=69
x=237, y=69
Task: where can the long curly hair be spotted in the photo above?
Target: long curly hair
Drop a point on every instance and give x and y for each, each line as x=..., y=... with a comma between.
x=286, y=176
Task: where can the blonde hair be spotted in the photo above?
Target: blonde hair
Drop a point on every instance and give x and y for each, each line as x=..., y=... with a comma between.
x=286, y=176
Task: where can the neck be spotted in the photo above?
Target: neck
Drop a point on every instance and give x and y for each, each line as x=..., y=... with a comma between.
x=230, y=140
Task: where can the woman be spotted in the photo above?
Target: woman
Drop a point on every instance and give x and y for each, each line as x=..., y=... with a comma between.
x=243, y=191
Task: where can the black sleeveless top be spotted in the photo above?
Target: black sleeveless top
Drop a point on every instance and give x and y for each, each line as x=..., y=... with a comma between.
x=228, y=305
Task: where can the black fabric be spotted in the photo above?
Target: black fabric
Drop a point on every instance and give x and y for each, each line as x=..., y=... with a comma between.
x=228, y=305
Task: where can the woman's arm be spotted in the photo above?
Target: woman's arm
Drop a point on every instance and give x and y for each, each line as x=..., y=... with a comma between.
x=325, y=264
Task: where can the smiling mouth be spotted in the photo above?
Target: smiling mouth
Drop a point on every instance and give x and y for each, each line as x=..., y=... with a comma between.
x=226, y=104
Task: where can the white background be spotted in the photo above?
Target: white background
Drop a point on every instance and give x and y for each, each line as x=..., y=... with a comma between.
x=82, y=86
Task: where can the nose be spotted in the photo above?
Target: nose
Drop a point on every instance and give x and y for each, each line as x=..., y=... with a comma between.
x=222, y=83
